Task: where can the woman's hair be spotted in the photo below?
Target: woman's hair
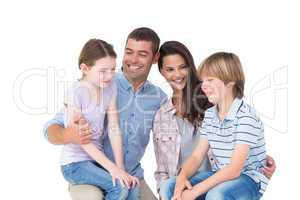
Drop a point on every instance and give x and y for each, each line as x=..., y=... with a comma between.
x=194, y=100
x=95, y=49
x=227, y=67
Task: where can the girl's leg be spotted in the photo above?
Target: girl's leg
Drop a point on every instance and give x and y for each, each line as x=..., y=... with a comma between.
x=242, y=188
x=87, y=172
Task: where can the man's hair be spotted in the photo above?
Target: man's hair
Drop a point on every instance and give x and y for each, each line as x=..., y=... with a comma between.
x=145, y=34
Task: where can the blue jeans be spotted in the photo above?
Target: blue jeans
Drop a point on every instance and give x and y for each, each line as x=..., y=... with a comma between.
x=91, y=173
x=242, y=188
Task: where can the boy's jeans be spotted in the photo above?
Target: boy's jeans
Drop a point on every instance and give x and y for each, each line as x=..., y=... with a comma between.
x=242, y=188
x=89, y=172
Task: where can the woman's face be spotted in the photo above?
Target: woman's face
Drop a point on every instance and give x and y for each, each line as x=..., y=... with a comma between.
x=175, y=71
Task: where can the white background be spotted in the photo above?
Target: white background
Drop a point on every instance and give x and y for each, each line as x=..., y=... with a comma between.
x=39, y=46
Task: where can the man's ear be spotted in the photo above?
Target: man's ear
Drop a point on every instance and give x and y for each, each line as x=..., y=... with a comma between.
x=84, y=68
x=155, y=59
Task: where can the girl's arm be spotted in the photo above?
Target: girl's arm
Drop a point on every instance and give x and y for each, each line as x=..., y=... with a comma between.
x=98, y=155
x=114, y=133
x=231, y=171
x=115, y=137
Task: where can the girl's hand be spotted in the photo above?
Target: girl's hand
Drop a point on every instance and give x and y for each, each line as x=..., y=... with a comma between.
x=134, y=181
x=181, y=184
x=119, y=174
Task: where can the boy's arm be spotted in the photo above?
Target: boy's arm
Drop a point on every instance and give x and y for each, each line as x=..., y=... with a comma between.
x=231, y=171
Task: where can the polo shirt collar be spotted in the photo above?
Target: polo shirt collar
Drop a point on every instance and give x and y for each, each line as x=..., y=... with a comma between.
x=233, y=110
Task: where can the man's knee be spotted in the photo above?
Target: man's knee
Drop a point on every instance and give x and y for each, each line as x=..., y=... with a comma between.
x=85, y=192
x=217, y=194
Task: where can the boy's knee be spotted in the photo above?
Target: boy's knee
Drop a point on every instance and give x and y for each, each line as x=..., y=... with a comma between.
x=218, y=195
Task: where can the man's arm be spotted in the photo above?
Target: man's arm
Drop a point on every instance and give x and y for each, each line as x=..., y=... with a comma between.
x=79, y=133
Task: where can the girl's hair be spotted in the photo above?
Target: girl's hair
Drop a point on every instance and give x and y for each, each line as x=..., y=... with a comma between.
x=194, y=100
x=95, y=49
x=227, y=67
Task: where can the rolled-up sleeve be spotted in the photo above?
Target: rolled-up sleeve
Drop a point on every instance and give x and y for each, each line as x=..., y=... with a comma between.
x=58, y=119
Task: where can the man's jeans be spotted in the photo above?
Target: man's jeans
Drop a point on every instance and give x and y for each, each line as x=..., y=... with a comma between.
x=89, y=172
x=242, y=188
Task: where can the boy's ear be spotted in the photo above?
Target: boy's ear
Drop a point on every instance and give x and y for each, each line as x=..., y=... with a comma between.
x=230, y=84
x=155, y=59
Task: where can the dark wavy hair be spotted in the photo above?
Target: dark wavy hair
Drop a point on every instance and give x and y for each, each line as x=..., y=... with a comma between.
x=194, y=100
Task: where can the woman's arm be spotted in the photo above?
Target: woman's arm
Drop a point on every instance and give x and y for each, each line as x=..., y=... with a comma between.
x=161, y=173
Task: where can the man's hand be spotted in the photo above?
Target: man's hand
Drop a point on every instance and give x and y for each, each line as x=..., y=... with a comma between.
x=79, y=131
x=269, y=170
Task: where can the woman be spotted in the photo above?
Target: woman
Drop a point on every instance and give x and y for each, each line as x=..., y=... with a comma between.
x=177, y=121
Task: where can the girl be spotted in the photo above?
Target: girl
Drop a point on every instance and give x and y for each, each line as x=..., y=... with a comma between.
x=177, y=121
x=233, y=132
x=93, y=96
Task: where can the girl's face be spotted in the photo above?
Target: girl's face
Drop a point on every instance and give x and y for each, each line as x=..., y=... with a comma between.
x=214, y=88
x=101, y=73
x=175, y=71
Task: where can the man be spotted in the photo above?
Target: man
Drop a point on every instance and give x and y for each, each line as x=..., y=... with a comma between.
x=138, y=100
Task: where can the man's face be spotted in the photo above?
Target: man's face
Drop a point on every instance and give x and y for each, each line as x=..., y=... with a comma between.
x=137, y=60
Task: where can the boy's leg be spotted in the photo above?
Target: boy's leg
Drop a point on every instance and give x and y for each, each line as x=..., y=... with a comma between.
x=242, y=188
x=167, y=187
x=85, y=192
x=145, y=191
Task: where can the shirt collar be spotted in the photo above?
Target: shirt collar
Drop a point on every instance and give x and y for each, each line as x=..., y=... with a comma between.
x=169, y=107
x=233, y=110
x=127, y=85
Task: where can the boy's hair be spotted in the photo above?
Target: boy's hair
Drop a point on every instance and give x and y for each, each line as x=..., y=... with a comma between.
x=95, y=49
x=145, y=34
x=227, y=67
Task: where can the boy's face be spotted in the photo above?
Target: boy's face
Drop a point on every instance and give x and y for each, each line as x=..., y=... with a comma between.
x=137, y=60
x=214, y=88
x=101, y=73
